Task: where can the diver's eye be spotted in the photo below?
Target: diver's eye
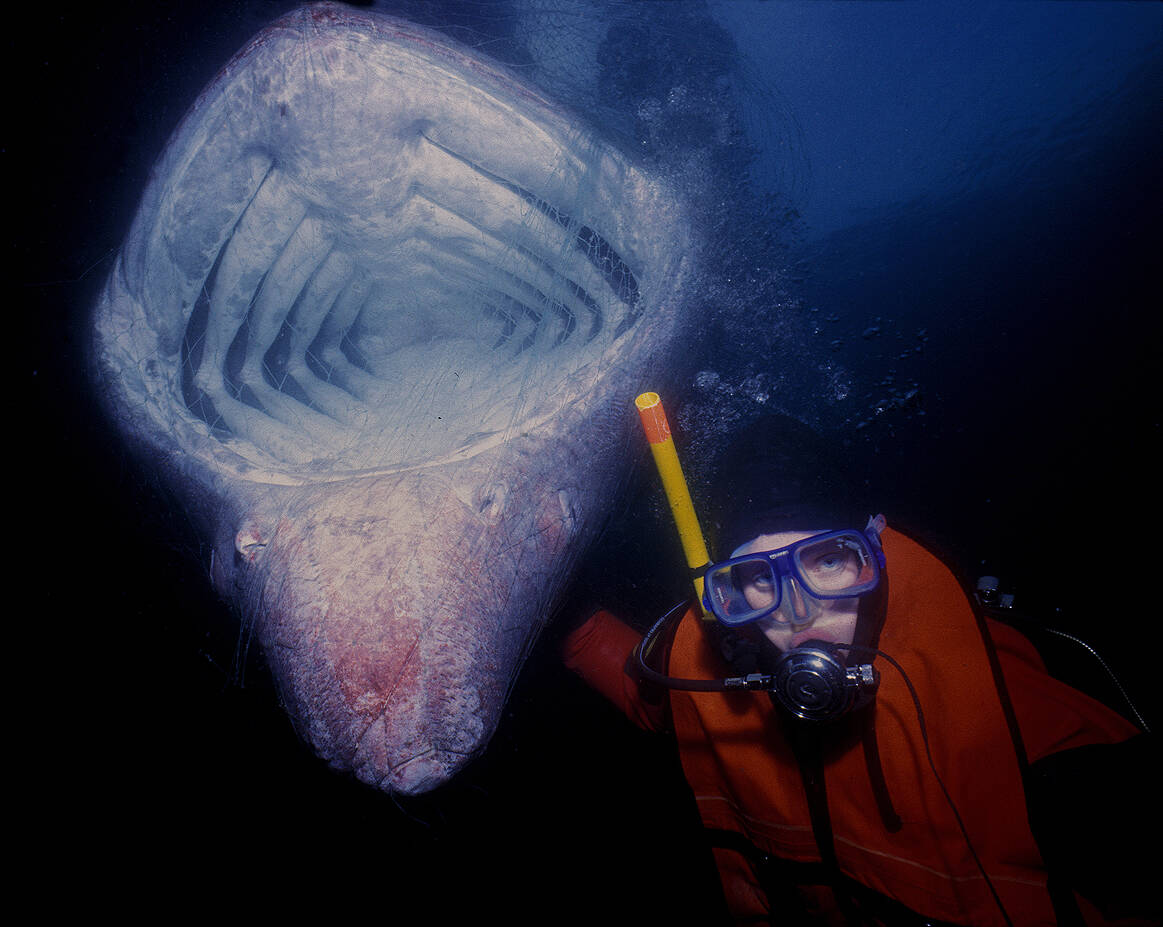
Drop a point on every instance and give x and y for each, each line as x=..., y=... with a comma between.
x=830, y=568
x=758, y=579
x=831, y=563
x=828, y=562
x=757, y=585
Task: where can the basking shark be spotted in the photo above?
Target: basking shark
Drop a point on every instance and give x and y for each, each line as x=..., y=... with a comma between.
x=378, y=324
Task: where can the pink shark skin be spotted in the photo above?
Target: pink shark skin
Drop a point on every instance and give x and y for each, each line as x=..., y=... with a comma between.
x=394, y=613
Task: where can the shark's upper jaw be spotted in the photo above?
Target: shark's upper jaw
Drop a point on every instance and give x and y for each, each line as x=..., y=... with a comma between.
x=379, y=320
x=367, y=249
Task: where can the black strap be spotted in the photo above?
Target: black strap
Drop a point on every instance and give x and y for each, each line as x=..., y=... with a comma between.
x=1062, y=898
x=888, y=815
x=781, y=880
x=805, y=743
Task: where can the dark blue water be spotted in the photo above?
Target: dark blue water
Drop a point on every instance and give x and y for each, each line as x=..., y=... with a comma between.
x=974, y=257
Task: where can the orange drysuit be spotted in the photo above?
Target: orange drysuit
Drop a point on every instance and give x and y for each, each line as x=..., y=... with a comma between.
x=905, y=845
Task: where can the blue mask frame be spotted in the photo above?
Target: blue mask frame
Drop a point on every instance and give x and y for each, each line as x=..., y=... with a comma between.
x=831, y=565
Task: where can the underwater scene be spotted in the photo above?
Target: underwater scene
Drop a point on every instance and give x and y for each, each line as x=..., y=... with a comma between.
x=337, y=328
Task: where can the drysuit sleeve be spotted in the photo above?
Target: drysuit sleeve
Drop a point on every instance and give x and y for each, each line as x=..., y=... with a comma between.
x=601, y=652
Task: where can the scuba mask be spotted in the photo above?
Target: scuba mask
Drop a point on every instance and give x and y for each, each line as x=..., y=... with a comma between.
x=787, y=584
x=834, y=565
x=812, y=681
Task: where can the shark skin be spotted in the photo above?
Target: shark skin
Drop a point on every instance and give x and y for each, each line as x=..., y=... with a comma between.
x=378, y=325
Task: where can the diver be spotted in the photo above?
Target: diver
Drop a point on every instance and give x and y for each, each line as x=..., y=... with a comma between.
x=862, y=744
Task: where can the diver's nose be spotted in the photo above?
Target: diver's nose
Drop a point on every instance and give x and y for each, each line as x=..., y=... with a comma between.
x=795, y=605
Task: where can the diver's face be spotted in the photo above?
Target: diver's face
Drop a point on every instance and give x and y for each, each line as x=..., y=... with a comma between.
x=803, y=617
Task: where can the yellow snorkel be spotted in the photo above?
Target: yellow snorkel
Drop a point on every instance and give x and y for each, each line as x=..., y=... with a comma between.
x=657, y=430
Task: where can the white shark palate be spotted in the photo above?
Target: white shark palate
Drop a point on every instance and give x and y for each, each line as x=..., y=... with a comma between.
x=368, y=252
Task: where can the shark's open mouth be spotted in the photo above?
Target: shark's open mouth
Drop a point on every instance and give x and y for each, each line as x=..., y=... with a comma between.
x=333, y=351
x=385, y=253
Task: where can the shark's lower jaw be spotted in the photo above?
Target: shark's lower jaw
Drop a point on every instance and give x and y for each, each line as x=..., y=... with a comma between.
x=367, y=252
